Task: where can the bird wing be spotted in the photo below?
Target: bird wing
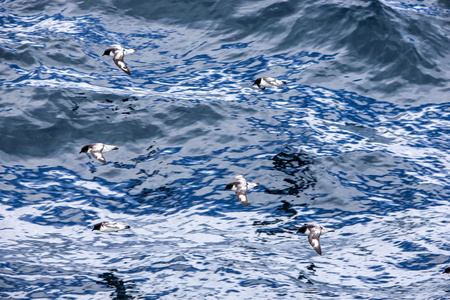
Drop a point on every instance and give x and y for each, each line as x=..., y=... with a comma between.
x=313, y=238
x=242, y=197
x=251, y=185
x=129, y=51
x=241, y=193
x=273, y=81
x=96, y=147
x=111, y=226
x=239, y=178
x=121, y=64
x=107, y=148
x=98, y=156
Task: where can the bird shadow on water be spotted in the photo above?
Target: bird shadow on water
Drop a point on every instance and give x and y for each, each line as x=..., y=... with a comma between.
x=112, y=281
x=299, y=177
x=297, y=168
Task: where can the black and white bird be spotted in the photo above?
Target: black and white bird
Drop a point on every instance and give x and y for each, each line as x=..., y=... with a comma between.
x=118, y=53
x=241, y=186
x=110, y=227
x=313, y=231
x=96, y=150
x=264, y=82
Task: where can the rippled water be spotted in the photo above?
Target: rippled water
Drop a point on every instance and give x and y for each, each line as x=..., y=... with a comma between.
x=357, y=141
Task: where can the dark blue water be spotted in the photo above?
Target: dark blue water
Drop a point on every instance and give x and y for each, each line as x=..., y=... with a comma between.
x=357, y=141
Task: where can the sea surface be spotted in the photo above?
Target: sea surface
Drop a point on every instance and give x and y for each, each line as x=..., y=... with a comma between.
x=357, y=140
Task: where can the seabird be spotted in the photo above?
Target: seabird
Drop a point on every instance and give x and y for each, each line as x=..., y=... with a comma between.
x=313, y=231
x=241, y=186
x=110, y=227
x=118, y=53
x=264, y=82
x=446, y=271
x=96, y=150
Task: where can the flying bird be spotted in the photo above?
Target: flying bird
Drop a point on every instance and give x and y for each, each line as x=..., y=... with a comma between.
x=264, y=82
x=96, y=150
x=313, y=231
x=241, y=186
x=110, y=227
x=118, y=53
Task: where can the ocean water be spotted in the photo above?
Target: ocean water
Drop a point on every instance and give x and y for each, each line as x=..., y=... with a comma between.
x=357, y=140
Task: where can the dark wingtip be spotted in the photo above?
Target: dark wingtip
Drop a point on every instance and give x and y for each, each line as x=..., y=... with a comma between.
x=127, y=227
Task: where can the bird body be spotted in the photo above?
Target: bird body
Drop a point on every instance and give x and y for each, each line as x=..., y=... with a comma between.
x=97, y=149
x=264, y=82
x=110, y=227
x=313, y=231
x=118, y=53
x=241, y=186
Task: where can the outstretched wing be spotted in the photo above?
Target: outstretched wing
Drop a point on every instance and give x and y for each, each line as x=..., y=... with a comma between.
x=242, y=197
x=251, y=185
x=111, y=226
x=122, y=65
x=98, y=156
x=239, y=178
x=241, y=193
x=313, y=238
x=107, y=148
x=273, y=81
x=129, y=51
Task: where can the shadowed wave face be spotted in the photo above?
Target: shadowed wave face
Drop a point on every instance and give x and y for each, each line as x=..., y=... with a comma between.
x=356, y=140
